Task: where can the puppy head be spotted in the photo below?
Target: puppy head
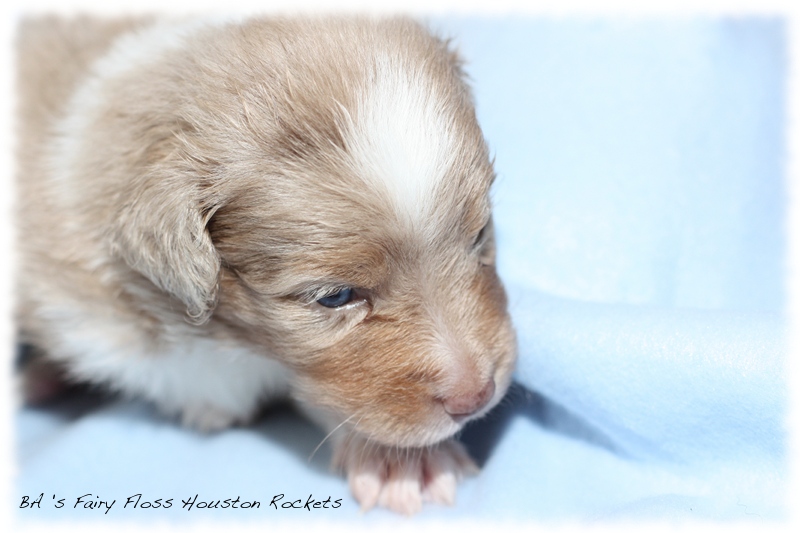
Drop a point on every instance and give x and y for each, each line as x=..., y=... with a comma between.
x=345, y=184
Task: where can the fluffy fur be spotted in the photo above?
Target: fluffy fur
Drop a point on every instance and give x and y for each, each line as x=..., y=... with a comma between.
x=189, y=190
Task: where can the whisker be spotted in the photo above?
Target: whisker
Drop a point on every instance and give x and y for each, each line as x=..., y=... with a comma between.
x=328, y=435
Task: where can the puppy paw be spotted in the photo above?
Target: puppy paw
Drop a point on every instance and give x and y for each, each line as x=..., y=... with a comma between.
x=41, y=380
x=209, y=419
x=401, y=479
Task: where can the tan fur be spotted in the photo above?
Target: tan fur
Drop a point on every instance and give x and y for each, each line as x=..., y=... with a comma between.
x=215, y=191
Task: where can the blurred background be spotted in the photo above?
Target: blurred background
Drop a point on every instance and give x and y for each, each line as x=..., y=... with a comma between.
x=640, y=161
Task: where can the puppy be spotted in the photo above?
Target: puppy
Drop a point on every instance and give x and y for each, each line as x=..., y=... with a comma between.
x=216, y=214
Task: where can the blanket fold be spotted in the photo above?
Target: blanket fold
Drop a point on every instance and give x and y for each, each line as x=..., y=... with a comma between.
x=674, y=384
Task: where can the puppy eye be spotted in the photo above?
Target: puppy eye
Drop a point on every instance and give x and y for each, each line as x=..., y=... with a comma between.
x=337, y=299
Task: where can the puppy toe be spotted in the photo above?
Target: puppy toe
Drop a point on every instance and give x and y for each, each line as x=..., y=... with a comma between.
x=208, y=419
x=366, y=481
x=402, y=493
x=444, y=467
x=441, y=488
x=402, y=479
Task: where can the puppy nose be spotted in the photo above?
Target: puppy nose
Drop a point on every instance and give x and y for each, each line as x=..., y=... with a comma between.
x=461, y=406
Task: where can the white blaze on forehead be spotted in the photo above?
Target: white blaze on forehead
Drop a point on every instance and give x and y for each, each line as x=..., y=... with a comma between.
x=401, y=139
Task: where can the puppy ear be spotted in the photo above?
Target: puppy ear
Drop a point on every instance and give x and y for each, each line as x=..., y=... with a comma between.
x=160, y=231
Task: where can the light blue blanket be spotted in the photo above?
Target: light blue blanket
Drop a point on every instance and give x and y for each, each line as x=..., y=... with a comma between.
x=640, y=209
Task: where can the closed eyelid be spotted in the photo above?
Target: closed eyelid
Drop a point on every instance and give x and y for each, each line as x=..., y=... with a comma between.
x=315, y=292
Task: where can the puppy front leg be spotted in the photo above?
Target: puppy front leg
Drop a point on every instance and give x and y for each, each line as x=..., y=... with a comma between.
x=401, y=479
x=207, y=383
